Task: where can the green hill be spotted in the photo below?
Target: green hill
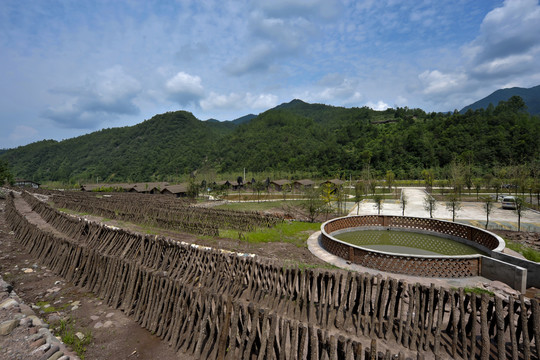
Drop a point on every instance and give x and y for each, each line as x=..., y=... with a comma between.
x=167, y=144
x=296, y=136
x=530, y=96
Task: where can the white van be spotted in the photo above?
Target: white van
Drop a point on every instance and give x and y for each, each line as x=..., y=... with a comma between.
x=509, y=202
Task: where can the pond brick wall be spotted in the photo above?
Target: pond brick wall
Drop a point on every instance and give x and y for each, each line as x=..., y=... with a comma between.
x=445, y=267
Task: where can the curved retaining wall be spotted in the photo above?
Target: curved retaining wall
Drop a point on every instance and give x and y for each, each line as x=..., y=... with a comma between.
x=419, y=265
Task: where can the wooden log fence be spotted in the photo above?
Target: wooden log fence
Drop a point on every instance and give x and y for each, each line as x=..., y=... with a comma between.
x=215, y=304
x=164, y=211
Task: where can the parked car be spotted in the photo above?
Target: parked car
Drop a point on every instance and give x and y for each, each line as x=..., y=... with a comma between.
x=509, y=202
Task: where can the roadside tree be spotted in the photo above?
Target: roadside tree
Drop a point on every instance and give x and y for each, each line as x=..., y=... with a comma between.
x=430, y=204
x=403, y=202
x=358, y=192
x=378, y=200
x=313, y=203
x=453, y=204
x=488, y=206
x=520, y=207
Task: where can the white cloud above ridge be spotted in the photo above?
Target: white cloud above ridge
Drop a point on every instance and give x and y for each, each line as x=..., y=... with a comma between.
x=107, y=94
x=238, y=101
x=184, y=88
x=379, y=105
x=23, y=132
x=506, y=50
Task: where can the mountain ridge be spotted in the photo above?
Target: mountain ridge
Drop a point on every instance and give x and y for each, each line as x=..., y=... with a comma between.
x=296, y=137
x=531, y=97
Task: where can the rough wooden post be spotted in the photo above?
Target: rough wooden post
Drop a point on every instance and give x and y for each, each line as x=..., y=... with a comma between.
x=415, y=326
x=423, y=314
x=463, y=323
x=367, y=306
x=438, y=324
x=313, y=343
x=391, y=309
x=376, y=307
x=474, y=325
x=333, y=347
x=454, y=322
x=304, y=343
x=224, y=332
x=536, y=324
x=524, y=329
x=382, y=309
x=430, y=314
x=512, y=326
x=484, y=330
x=501, y=348
x=408, y=323
x=373, y=350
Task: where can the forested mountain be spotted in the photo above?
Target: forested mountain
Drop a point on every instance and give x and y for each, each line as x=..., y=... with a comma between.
x=295, y=136
x=168, y=144
x=530, y=96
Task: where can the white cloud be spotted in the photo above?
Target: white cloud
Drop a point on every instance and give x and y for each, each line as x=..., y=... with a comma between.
x=259, y=59
x=379, y=105
x=22, y=132
x=238, y=101
x=506, y=66
x=106, y=95
x=506, y=51
x=322, y=9
x=184, y=88
x=335, y=88
x=401, y=101
x=508, y=43
x=435, y=82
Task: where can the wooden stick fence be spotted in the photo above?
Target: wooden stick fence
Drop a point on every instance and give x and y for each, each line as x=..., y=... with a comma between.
x=164, y=211
x=220, y=305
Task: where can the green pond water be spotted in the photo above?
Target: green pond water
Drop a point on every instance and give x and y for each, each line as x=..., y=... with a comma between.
x=405, y=242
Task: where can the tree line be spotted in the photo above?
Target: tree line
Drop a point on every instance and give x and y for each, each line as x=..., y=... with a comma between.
x=315, y=140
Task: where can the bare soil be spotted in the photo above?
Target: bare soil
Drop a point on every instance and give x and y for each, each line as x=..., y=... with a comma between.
x=273, y=250
x=530, y=239
x=114, y=334
x=121, y=338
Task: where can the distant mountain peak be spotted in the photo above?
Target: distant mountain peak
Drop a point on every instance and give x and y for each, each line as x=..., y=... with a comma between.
x=531, y=97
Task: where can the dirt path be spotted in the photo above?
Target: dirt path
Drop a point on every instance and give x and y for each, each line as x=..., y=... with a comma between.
x=114, y=334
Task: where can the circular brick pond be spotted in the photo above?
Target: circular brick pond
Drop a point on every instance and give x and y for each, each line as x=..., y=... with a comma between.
x=409, y=245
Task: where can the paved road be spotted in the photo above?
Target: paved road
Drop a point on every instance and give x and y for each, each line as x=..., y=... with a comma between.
x=471, y=212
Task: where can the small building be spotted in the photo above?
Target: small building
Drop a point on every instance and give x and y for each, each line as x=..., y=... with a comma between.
x=108, y=187
x=179, y=190
x=123, y=187
x=26, y=183
x=90, y=187
x=279, y=185
x=303, y=184
x=235, y=186
x=150, y=187
x=334, y=183
x=223, y=184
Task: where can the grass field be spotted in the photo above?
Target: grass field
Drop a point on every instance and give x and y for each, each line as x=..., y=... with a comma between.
x=294, y=232
x=259, y=206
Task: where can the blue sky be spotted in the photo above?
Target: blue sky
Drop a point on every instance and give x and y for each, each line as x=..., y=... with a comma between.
x=73, y=67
